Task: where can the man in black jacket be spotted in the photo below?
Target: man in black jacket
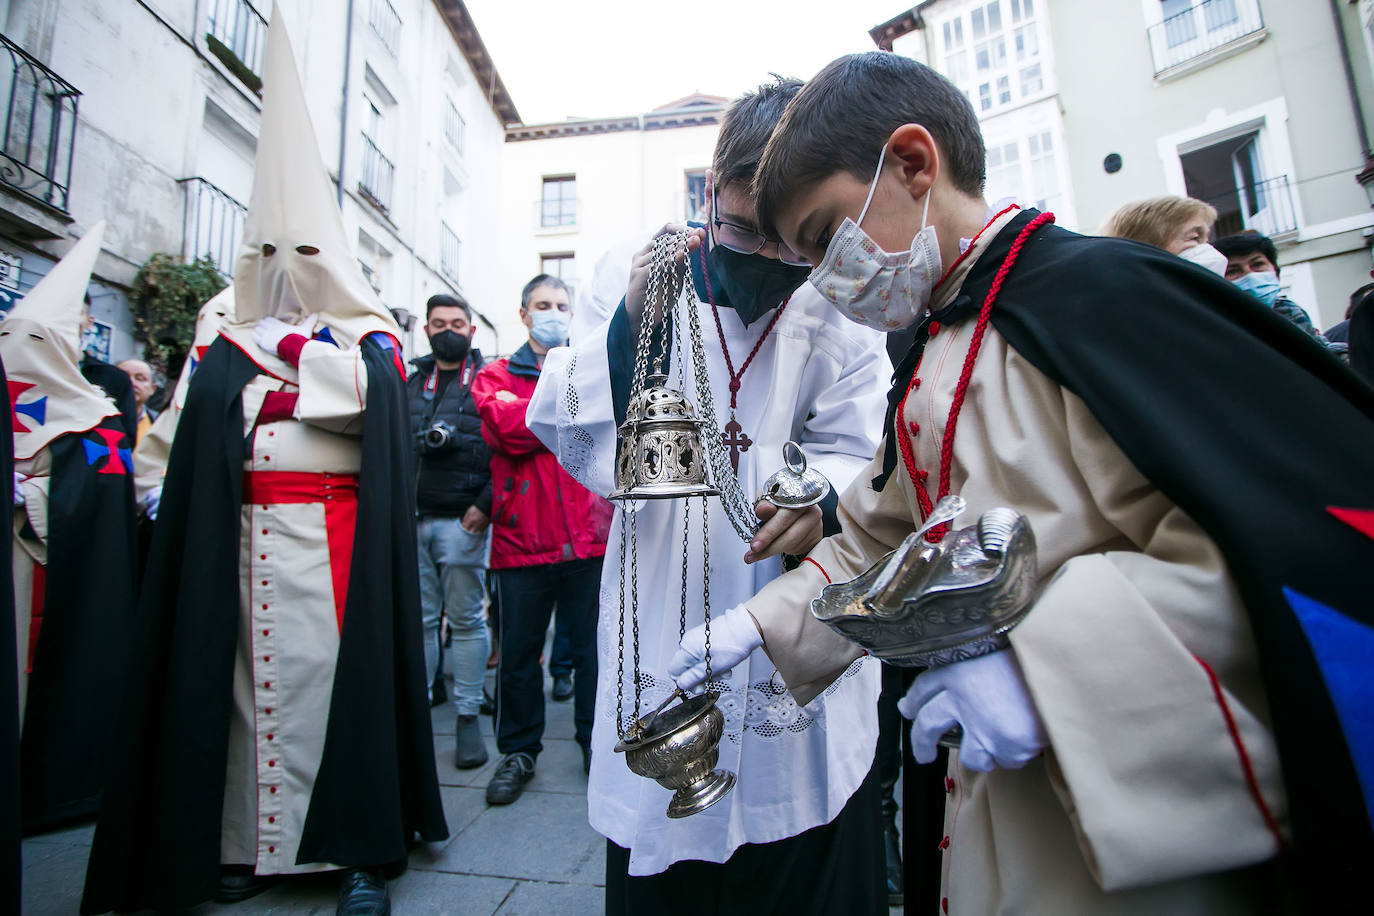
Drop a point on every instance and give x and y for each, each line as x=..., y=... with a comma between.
x=453, y=496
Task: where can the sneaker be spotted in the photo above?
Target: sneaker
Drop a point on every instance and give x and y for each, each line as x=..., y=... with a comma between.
x=562, y=687
x=509, y=779
x=363, y=893
x=472, y=750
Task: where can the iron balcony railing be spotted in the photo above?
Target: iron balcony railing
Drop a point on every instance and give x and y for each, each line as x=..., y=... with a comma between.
x=449, y=249
x=386, y=22
x=212, y=224
x=1265, y=207
x=379, y=174
x=40, y=129
x=1202, y=28
x=454, y=126
x=240, y=29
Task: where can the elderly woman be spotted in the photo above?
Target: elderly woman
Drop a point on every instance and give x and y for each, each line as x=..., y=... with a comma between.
x=1179, y=225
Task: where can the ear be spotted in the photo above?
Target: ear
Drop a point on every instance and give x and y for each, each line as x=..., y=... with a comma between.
x=912, y=151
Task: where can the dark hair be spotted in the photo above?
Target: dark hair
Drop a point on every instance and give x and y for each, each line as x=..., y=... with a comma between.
x=446, y=301
x=843, y=116
x=542, y=280
x=745, y=130
x=1235, y=246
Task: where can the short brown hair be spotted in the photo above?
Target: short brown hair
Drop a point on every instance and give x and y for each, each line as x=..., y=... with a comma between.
x=842, y=118
x=746, y=127
x=1157, y=221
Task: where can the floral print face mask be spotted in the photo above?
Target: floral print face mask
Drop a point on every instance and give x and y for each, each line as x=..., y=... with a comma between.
x=873, y=287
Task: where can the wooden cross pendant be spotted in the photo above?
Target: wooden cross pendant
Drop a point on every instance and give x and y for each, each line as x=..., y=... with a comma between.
x=736, y=441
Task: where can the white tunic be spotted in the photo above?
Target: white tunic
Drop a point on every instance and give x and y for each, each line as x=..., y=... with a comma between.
x=818, y=380
x=288, y=611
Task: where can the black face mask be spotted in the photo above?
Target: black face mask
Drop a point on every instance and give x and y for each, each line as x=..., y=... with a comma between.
x=450, y=346
x=752, y=283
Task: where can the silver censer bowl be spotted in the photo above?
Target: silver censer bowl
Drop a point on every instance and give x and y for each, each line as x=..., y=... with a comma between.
x=678, y=748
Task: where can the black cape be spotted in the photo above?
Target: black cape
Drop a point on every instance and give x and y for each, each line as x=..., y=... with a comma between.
x=158, y=841
x=10, y=865
x=1250, y=427
x=88, y=610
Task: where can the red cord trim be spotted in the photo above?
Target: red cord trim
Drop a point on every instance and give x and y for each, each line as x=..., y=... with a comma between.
x=1244, y=756
x=961, y=389
x=736, y=378
x=818, y=566
x=973, y=242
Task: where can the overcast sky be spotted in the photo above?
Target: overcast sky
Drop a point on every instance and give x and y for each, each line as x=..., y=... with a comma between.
x=604, y=58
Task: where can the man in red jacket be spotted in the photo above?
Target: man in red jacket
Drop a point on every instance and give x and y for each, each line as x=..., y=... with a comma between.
x=548, y=541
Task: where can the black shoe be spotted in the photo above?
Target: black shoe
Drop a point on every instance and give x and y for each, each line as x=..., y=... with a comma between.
x=893, y=847
x=363, y=893
x=509, y=779
x=488, y=704
x=237, y=882
x=472, y=750
x=562, y=687
x=586, y=759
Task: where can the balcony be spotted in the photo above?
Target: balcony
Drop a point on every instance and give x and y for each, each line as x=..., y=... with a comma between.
x=449, y=249
x=386, y=22
x=212, y=224
x=1202, y=33
x=40, y=130
x=1265, y=207
x=238, y=37
x=379, y=175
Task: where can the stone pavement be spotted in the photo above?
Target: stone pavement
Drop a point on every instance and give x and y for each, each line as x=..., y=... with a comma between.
x=536, y=857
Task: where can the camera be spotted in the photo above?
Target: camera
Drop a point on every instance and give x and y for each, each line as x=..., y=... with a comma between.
x=437, y=438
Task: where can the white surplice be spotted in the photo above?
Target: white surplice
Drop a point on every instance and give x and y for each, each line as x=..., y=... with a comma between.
x=819, y=380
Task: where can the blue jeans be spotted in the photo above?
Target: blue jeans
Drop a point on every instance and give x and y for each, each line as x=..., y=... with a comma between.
x=452, y=565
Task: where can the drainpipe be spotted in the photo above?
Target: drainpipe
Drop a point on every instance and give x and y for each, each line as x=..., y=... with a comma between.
x=1365, y=178
x=343, y=108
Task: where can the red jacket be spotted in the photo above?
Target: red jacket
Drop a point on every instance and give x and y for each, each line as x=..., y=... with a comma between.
x=539, y=514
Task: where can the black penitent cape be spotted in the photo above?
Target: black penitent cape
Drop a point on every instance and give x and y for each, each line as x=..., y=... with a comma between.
x=1250, y=427
x=88, y=611
x=158, y=841
x=10, y=866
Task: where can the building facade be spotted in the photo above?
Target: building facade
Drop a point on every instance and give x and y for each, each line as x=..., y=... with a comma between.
x=574, y=189
x=1247, y=104
x=147, y=113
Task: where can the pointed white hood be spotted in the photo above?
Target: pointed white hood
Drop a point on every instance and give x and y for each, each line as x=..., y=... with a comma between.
x=296, y=262
x=213, y=316
x=40, y=343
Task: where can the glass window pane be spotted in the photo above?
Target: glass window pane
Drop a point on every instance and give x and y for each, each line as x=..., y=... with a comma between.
x=1027, y=42
x=985, y=96
x=1031, y=80
x=1003, y=90
x=980, y=27
x=980, y=57
x=994, y=17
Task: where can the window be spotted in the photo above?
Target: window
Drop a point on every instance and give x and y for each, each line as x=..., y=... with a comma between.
x=985, y=96
x=956, y=68
x=1003, y=90
x=378, y=172
x=1231, y=176
x=562, y=265
x=1027, y=44
x=1044, y=175
x=558, y=205
x=449, y=249
x=1022, y=10
x=1031, y=81
x=1004, y=172
x=455, y=128
x=1190, y=29
x=954, y=34
x=696, y=195
x=374, y=260
x=386, y=23
x=990, y=55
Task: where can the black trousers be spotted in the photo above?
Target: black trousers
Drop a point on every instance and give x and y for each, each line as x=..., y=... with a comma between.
x=527, y=597
x=835, y=868
x=923, y=814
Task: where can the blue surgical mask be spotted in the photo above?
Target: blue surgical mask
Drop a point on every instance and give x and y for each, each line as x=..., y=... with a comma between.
x=550, y=327
x=1263, y=286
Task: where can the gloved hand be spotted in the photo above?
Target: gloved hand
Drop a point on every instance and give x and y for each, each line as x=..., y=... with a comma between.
x=988, y=696
x=734, y=635
x=151, y=500
x=18, y=493
x=269, y=332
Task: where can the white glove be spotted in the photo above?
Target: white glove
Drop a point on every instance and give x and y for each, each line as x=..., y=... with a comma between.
x=151, y=500
x=269, y=332
x=18, y=493
x=733, y=636
x=988, y=696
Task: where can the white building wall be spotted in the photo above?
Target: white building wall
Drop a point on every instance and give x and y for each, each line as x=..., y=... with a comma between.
x=146, y=72
x=628, y=184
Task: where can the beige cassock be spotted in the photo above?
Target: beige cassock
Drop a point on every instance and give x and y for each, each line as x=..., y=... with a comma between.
x=294, y=553
x=1141, y=804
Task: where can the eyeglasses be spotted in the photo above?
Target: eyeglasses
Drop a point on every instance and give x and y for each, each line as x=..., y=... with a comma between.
x=744, y=240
